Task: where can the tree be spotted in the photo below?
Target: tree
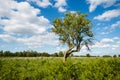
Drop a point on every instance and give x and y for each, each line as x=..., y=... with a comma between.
x=54, y=55
x=1, y=53
x=7, y=53
x=75, y=31
x=88, y=55
x=60, y=54
x=107, y=56
x=119, y=55
x=114, y=56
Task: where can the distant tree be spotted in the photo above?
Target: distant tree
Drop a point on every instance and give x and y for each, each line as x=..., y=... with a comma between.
x=17, y=54
x=1, y=53
x=44, y=54
x=114, y=56
x=7, y=53
x=82, y=56
x=88, y=55
x=119, y=55
x=75, y=31
x=54, y=55
x=60, y=54
x=107, y=56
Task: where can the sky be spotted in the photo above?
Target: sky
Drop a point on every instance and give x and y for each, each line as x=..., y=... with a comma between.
x=26, y=24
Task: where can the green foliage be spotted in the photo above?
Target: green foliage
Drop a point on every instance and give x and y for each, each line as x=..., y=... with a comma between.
x=107, y=56
x=61, y=54
x=29, y=54
x=88, y=55
x=55, y=69
x=119, y=55
x=74, y=29
x=114, y=56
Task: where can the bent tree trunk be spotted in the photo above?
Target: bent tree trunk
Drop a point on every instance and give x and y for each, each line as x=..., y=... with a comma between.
x=69, y=51
x=66, y=55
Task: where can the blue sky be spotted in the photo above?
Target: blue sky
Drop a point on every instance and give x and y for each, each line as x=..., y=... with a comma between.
x=26, y=24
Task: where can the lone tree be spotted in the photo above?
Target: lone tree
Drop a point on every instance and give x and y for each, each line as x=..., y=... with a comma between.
x=75, y=31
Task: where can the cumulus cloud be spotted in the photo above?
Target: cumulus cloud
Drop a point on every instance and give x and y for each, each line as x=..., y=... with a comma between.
x=35, y=41
x=41, y=3
x=95, y=3
x=22, y=25
x=104, y=46
x=108, y=43
x=39, y=40
x=108, y=15
x=24, y=20
x=60, y=4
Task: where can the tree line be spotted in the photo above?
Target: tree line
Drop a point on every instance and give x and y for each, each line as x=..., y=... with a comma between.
x=30, y=53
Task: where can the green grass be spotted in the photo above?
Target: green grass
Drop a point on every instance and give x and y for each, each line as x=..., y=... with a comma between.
x=39, y=68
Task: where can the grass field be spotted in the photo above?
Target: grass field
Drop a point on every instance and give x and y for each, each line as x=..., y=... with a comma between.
x=41, y=68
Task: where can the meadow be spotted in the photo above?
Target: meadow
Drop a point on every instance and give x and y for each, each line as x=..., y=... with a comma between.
x=53, y=68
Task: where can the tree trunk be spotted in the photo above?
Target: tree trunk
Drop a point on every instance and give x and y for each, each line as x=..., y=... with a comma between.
x=64, y=58
x=66, y=55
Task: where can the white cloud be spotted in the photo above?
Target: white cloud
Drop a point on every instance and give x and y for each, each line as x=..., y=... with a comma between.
x=61, y=9
x=24, y=26
x=106, y=40
x=116, y=38
x=24, y=20
x=108, y=15
x=41, y=3
x=107, y=43
x=4, y=9
x=95, y=3
x=35, y=41
x=117, y=24
x=60, y=4
x=73, y=11
x=7, y=38
x=40, y=40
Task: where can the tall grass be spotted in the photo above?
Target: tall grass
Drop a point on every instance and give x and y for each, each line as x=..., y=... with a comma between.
x=55, y=69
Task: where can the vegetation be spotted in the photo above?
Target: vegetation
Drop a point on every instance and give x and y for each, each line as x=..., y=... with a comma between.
x=74, y=30
x=114, y=55
x=29, y=54
x=55, y=69
x=119, y=55
x=107, y=56
x=88, y=55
